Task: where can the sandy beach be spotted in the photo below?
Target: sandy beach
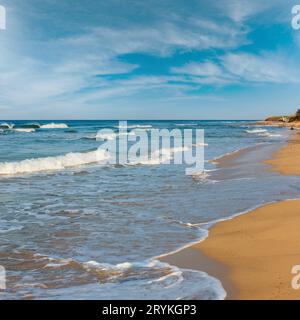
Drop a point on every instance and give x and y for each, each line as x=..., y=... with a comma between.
x=253, y=254
x=287, y=159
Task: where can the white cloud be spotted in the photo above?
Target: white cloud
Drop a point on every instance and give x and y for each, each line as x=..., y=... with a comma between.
x=157, y=39
x=269, y=68
x=205, y=69
x=241, y=68
x=242, y=10
x=44, y=72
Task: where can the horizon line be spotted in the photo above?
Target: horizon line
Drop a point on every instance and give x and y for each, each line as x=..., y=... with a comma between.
x=131, y=119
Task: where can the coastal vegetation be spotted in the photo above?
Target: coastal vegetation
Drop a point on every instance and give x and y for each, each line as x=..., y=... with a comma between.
x=285, y=119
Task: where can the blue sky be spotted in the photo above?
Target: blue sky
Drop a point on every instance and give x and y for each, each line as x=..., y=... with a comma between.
x=133, y=59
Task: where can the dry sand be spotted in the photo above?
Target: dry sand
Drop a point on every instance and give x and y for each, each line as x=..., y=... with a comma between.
x=253, y=254
x=287, y=159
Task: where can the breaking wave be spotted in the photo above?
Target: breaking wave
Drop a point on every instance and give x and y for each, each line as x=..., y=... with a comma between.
x=53, y=163
x=5, y=125
x=255, y=131
x=34, y=125
x=28, y=130
x=54, y=126
x=263, y=133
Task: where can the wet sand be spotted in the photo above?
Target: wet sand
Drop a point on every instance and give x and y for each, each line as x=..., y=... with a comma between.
x=253, y=254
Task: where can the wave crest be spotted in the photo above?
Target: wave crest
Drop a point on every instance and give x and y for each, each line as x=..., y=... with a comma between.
x=6, y=125
x=255, y=131
x=27, y=130
x=54, y=126
x=263, y=133
x=53, y=163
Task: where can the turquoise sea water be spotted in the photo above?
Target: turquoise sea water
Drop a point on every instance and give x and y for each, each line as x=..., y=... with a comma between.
x=93, y=230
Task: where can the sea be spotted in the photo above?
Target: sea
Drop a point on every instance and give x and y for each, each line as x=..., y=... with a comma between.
x=75, y=227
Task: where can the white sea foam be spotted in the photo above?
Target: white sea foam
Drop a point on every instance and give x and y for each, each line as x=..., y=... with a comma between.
x=272, y=135
x=160, y=156
x=59, y=264
x=54, y=126
x=255, y=131
x=263, y=133
x=105, y=136
x=53, y=163
x=157, y=279
x=150, y=279
x=24, y=130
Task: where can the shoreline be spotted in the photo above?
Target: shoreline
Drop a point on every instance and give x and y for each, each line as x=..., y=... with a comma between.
x=252, y=253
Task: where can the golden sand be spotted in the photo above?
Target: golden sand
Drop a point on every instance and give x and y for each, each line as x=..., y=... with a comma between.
x=253, y=254
x=287, y=159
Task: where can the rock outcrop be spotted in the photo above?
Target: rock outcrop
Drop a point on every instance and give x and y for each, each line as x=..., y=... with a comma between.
x=283, y=121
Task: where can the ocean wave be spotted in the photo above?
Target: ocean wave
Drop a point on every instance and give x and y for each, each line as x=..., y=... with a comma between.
x=255, y=131
x=6, y=125
x=150, y=279
x=160, y=156
x=53, y=163
x=54, y=126
x=31, y=125
x=186, y=124
x=107, y=136
x=264, y=133
x=28, y=130
x=36, y=125
x=272, y=135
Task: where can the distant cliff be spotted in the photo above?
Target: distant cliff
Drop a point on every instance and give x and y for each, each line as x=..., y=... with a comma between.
x=288, y=121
